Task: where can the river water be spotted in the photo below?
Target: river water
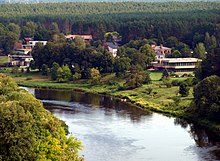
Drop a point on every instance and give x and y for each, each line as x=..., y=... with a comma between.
x=112, y=130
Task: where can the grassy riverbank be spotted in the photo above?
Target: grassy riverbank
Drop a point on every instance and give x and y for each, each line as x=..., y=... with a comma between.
x=160, y=100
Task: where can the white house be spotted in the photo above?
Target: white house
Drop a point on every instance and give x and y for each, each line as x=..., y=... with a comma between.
x=113, y=48
x=22, y=61
x=33, y=43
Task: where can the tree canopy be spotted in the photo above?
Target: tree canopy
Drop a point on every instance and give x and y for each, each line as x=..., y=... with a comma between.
x=28, y=131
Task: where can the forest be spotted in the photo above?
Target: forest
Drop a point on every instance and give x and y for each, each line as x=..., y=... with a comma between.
x=188, y=22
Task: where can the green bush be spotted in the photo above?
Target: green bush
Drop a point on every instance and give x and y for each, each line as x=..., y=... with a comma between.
x=175, y=82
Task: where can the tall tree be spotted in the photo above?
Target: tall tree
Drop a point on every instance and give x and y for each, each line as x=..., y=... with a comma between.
x=200, y=51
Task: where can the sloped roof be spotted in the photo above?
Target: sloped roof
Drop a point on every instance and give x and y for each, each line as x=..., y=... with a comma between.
x=112, y=45
x=85, y=37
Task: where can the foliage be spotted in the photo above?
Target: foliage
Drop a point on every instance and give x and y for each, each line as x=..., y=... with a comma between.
x=64, y=74
x=77, y=76
x=165, y=74
x=54, y=69
x=44, y=69
x=28, y=132
x=167, y=82
x=175, y=82
x=199, y=51
x=207, y=98
x=183, y=89
x=176, y=100
x=135, y=78
x=147, y=78
x=210, y=65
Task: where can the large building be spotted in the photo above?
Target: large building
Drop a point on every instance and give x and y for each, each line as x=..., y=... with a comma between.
x=172, y=64
x=176, y=64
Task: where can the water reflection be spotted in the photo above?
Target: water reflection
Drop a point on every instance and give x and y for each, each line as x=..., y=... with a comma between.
x=122, y=109
x=114, y=130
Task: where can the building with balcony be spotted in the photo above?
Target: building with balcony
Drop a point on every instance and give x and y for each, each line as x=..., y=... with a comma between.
x=176, y=64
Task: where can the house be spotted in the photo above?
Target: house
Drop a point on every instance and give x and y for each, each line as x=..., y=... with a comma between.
x=87, y=38
x=26, y=48
x=31, y=44
x=111, y=47
x=176, y=64
x=22, y=51
x=22, y=61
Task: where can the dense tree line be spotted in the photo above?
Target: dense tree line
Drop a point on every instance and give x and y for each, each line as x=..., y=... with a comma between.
x=188, y=22
x=28, y=131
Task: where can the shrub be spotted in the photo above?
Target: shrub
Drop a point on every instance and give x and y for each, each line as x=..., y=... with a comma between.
x=184, y=89
x=175, y=82
x=167, y=82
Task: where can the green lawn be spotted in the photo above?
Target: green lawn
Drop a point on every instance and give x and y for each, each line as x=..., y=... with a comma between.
x=155, y=76
x=3, y=59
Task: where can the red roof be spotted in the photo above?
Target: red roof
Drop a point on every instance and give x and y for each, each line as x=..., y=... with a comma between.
x=85, y=37
x=28, y=39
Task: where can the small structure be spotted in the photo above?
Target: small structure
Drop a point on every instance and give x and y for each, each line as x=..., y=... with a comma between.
x=161, y=50
x=176, y=64
x=111, y=47
x=85, y=37
x=22, y=61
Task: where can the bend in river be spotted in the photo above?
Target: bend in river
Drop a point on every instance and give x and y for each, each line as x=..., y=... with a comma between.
x=113, y=130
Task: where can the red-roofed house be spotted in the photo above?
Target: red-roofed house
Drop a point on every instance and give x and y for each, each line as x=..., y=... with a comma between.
x=85, y=37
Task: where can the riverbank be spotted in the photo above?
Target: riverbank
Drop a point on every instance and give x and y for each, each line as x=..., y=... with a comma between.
x=154, y=97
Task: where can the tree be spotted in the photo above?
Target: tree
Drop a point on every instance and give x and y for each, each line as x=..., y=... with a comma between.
x=29, y=29
x=207, y=98
x=79, y=43
x=64, y=74
x=44, y=69
x=107, y=62
x=165, y=74
x=184, y=89
x=10, y=39
x=54, y=69
x=147, y=79
x=28, y=131
x=95, y=75
x=135, y=78
x=12, y=27
x=176, y=54
x=121, y=65
x=32, y=64
x=210, y=42
x=200, y=51
x=210, y=65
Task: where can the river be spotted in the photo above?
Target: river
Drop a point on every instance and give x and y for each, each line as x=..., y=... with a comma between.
x=112, y=130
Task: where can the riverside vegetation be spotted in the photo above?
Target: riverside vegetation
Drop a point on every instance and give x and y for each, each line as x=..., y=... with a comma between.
x=163, y=96
x=28, y=131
